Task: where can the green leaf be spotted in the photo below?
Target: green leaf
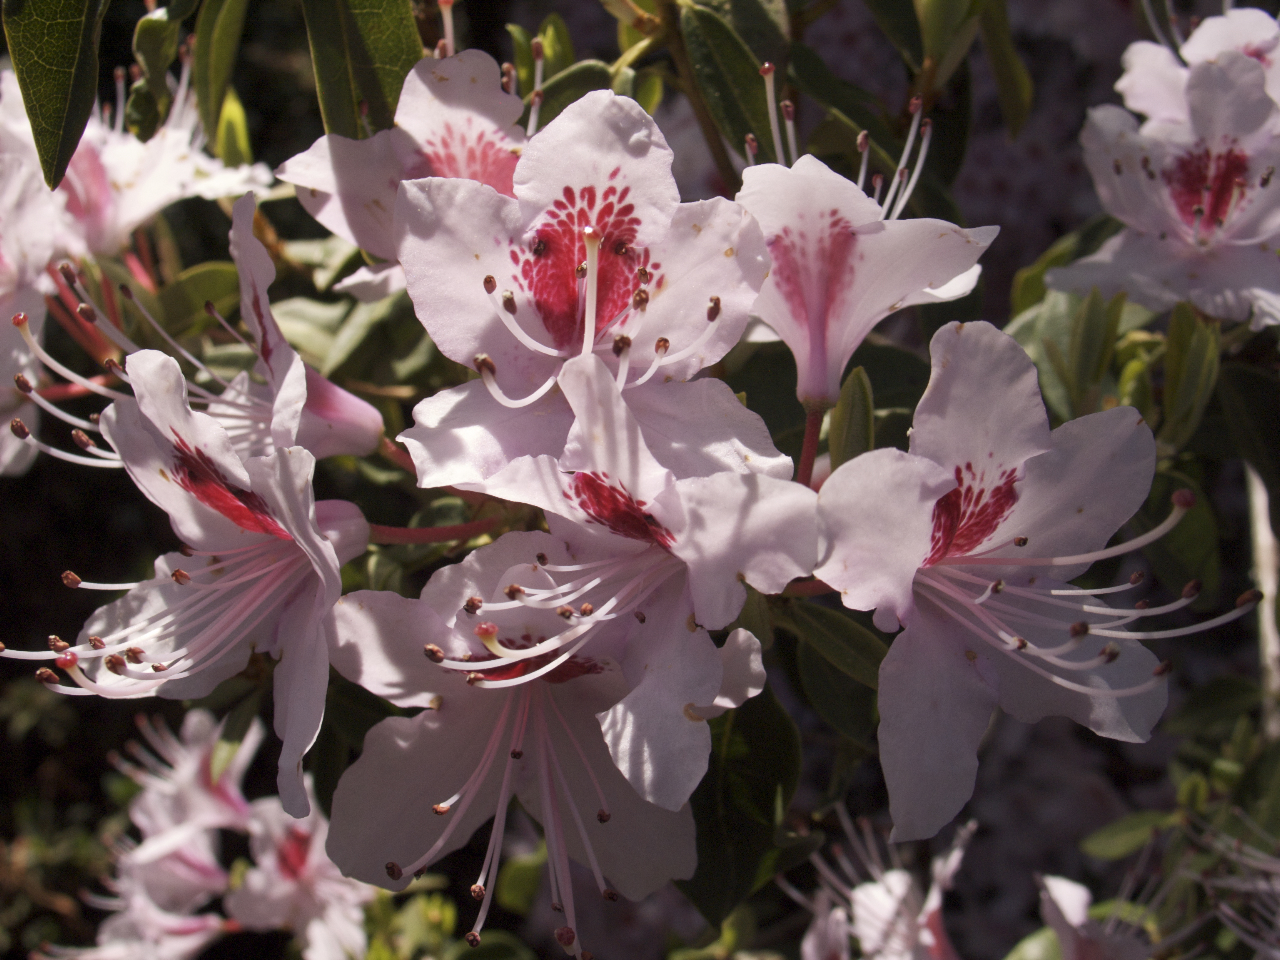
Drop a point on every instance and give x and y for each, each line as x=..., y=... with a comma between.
x=1028, y=283
x=233, y=132
x=1190, y=550
x=1041, y=945
x=54, y=48
x=361, y=51
x=810, y=73
x=897, y=18
x=649, y=89
x=358, y=325
x=182, y=302
x=1013, y=83
x=519, y=880
x=751, y=776
x=1127, y=835
x=728, y=76
x=218, y=31
x=1190, y=375
x=1214, y=706
x=898, y=376
x=848, y=646
x=155, y=44
x=847, y=705
x=852, y=430
x=557, y=46
x=1094, y=329
x=236, y=726
x=762, y=24
x=568, y=86
x=943, y=25
x=1251, y=400
x=522, y=47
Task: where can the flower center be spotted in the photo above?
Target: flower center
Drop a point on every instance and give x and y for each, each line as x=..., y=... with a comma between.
x=196, y=473
x=967, y=516
x=1207, y=188
x=611, y=505
x=291, y=854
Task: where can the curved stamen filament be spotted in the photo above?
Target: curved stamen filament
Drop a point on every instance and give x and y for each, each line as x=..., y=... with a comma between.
x=509, y=317
x=186, y=354
x=916, y=108
x=707, y=333
x=491, y=383
x=21, y=431
x=54, y=410
x=39, y=353
x=915, y=174
x=659, y=351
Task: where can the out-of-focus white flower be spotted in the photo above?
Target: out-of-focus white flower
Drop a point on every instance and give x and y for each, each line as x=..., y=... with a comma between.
x=1064, y=907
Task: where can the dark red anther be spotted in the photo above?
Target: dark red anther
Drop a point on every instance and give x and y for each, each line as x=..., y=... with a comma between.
x=97, y=643
x=19, y=429
x=789, y=110
x=581, y=270
x=490, y=284
x=586, y=610
x=485, y=365
x=713, y=308
x=1136, y=578
x=643, y=275
x=1079, y=629
x=541, y=558
x=434, y=653
x=181, y=577
x=473, y=605
x=1142, y=605
x=69, y=579
x=1192, y=589
x=87, y=313
x=57, y=644
x=509, y=302
x=610, y=894
x=565, y=936
x=45, y=675
x=662, y=345
x=1165, y=667
x=81, y=439
x=766, y=69
x=640, y=615
x=640, y=299
x=621, y=343
x=477, y=891
x=603, y=815
x=472, y=938
x=393, y=870
x=1248, y=597
x=115, y=663
x=535, y=47
x=565, y=611
x=22, y=383
x=439, y=809
x=19, y=319
x=134, y=654
x=1110, y=652
x=915, y=104
x=1019, y=541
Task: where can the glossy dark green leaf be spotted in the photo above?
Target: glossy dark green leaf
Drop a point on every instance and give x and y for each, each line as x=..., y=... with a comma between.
x=740, y=804
x=1127, y=835
x=1013, y=83
x=848, y=646
x=54, y=48
x=1190, y=550
x=762, y=24
x=852, y=429
x=897, y=18
x=1094, y=329
x=218, y=31
x=728, y=77
x=361, y=51
x=943, y=25
x=233, y=132
x=1251, y=400
x=155, y=45
x=847, y=705
x=649, y=89
x=521, y=44
x=182, y=302
x=557, y=46
x=568, y=86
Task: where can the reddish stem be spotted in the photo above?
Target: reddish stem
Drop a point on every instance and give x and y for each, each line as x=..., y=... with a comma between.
x=460, y=531
x=807, y=588
x=809, y=452
x=139, y=272
x=69, y=391
x=397, y=455
x=89, y=339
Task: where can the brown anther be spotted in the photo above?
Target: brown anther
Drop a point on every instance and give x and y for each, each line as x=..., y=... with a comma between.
x=1266, y=177
x=439, y=809
x=1079, y=629
x=113, y=366
x=181, y=577
x=915, y=104
x=643, y=275
x=442, y=51
x=485, y=365
x=19, y=429
x=1165, y=667
x=565, y=936
x=210, y=309
x=620, y=248
x=473, y=605
x=1019, y=541
x=640, y=299
x=81, y=439
x=639, y=614
x=586, y=610
x=1184, y=498
x=713, y=309
x=97, y=643
x=581, y=270
x=621, y=343
x=565, y=611
x=490, y=284
x=473, y=678
x=603, y=815
x=509, y=77
x=509, y=302
x=95, y=418
x=67, y=271
x=87, y=313
x=788, y=110
x=45, y=675
x=67, y=660
x=1142, y=605
x=662, y=345
x=997, y=587
x=186, y=551
x=57, y=644
x=22, y=383
x=477, y=891
x=126, y=291
x=557, y=907
x=472, y=938
x=1248, y=597
x=159, y=667
x=393, y=870
x=539, y=247
x=609, y=894
x=1020, y=643
x=514, y=590
x=753, y=145
x=115, y=663
x=134, y=654
x=69, y=579
x=1136, y=578
x=2, y=648
x=434, y=653
x=517, y=754
x=1192, y=589
x=536, y=48
x=1110, y=652
x=766, y=69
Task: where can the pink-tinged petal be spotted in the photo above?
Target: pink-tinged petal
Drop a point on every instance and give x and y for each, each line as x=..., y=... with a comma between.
x=407, y=765
x=642, y=846
x=739, y=528
x=335, y=422
x=282, y=482
x=961, y=285
x=299, y=683
x=1247, y=30
x=972, y=363
x=605, y=439
x=464, y=436
x=657, y=739
x=828, y=934
x=1227, y=97
x=344, y=526
x=463, y=122
x=350, y=186
x=370, y=284
x=714, y=249
x=700, y=427
x=1072, y=498
x=378, y=641
x=934, y=709
x=602, y=149
x=284, y=370
x=875, y=519
x=1126, y=168
x=1154, y=82
x=454, y=234
x=1029, y=696
x=744, y=674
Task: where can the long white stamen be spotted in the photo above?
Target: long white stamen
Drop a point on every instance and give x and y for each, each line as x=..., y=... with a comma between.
x=877, y=183
x=491, y=383
x=915, y=174
x=99, y=461
x=864, y=148
x=577, y=816
x=591, y=240
x=186, y=354
x=508, y=318
x=54, y=410
x=446, y=15
x=178, y=114
x=916, y=108
x=771, y=104
x=707, y=333
x=553, y=828
x=789, y=119
x=40, y=354
x=535, y=99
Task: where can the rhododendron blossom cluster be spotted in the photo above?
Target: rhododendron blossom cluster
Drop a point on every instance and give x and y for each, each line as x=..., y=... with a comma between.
x=512, y=515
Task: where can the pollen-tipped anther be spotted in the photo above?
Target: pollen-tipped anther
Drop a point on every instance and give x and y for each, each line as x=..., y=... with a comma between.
x=1020, y=643
x=640, y=615
x=580, y=271
x=97, y=643
x=113, y=367
x=621, y=343
x=512, y=591
x=1184, y=498
x=915, y=104
x=19, y=319
x=610, y=894
x=439, y=809
x=393, y=870
x=115, y=663
x=1019, y=541
x=69, y=579
x=565, y=936
x=1248, y=597
x=477, y=891
x=87, y=313
x=603, y=815
x=486, y=630
x=662, y=345
x=484, y=364
x=643, y=275
x=490, y=284
x=1136, y=578
x=434, y=653
x=45, y=675
x=541, y=558
x=640, y=299
x=134, y=654
x=713, y=308
x=181, y=577
x=565, y=611
x=1191, y=590
x=159, y=667
x=509, y=302
x=586, y=610
x=474, y=677
x=57, y=644
x=1110, y=652
x=81, y=439
x=68, y=273
x=1079, y=629
x=472, y=938
x=473, y=605
x=19, y=429
x=22, y=383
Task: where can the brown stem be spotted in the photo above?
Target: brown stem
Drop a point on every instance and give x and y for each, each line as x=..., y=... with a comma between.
x=459, y=531
x=669, y=14
x=809, y=452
